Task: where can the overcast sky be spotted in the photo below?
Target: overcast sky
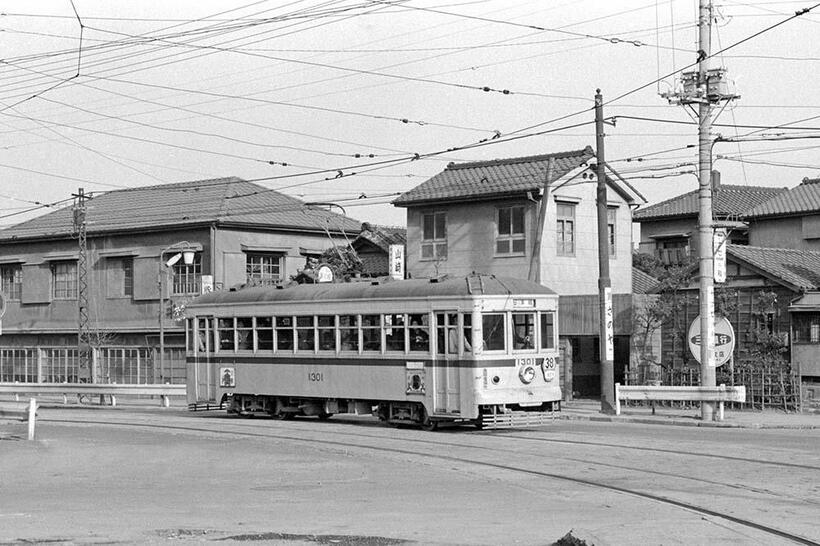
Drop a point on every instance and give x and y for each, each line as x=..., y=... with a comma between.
x=330, y=101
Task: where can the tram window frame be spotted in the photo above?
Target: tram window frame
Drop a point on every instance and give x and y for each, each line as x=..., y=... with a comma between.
x=418, y=333
x=283, y=324
x=244, y=334
x=491, y=328
x=349, y=333
x=260, y=343
x=226, y=335
x=467, y=332
x=305, y=324
x=523, y=342
x=322, y=329
x=204, y=327
x=396, y=324
x=371, y=333
x=547, y=336
x=447, y=338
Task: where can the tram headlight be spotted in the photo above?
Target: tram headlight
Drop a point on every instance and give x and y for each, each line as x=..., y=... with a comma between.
x=527, y=374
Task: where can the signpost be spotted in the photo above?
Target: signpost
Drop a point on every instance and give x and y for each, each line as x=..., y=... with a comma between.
x=724, y=340
x=719, y=248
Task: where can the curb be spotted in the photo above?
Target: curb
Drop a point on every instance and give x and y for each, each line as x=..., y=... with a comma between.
x=681, y=423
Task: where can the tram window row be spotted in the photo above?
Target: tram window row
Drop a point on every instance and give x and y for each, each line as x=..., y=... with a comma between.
x=394, y=333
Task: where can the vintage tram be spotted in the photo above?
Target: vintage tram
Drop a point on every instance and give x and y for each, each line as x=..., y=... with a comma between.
x=478, y=349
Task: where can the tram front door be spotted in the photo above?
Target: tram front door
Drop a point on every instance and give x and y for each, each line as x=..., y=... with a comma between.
x=446, y=374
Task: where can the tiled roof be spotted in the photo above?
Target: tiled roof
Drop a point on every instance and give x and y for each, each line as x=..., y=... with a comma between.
x=222, y=201
x=803, y=198
x=642, y=282
x=383, y=236
x=496, y=178
x=800, y=268
x=727, y=200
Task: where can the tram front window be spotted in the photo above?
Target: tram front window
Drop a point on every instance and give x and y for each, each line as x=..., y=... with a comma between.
x=494, y=333
x=548, y=330
x=523, y=331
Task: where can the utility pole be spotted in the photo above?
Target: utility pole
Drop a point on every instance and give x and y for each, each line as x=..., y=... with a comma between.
x=705, y=87
x=607, y=353
x=83, y=327
x=705, y=227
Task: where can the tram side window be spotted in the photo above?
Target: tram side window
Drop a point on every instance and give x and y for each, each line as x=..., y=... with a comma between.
x=548, y=330
x=244, y=329
x=494, y=333
x=419, y=333
x=190, y=335
x=305, y=334
x=523, y=331
x=394, y=332
x=225, y=333
x=327, y=332
x=468, y=331
x=284, y=333
x=203, y=338
x=371, y=333
x=447, y=333
x=349, y=332
x=264, y=334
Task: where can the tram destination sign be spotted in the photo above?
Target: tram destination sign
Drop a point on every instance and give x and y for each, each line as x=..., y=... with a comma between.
x=724, y=339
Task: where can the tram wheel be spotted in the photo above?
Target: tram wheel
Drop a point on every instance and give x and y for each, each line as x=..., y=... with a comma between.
x=429, y=425
x=324, y=416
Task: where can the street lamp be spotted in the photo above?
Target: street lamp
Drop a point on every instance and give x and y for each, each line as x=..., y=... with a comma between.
x=182, y=250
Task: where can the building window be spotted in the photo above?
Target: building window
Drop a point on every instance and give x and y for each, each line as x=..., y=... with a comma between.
x=510, y=238
x=187, y=278
x=434, y=236
x=263, y=268
x=64, y=280
x=11, y=276
x=611, y=217
x=673, y=251
x=806, y=327
x=565, y=229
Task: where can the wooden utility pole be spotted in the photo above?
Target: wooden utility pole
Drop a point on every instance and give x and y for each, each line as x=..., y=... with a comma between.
x=705, y=227
x=606, y=336
x=535, y=260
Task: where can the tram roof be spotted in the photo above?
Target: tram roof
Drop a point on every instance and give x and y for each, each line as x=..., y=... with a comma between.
x=473, y=285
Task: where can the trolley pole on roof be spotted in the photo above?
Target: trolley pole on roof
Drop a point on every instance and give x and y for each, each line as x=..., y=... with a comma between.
x=606, y=328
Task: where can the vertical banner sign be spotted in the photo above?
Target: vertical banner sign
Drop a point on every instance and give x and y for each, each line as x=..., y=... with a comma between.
x=610, y=328
x=396, y=261
x=719, y=244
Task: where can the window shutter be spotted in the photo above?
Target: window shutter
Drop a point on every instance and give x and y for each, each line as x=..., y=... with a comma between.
x=145, y=279
x=233, y=264
x=36, y=283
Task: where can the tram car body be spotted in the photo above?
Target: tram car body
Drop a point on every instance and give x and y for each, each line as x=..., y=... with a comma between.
x=477, y=349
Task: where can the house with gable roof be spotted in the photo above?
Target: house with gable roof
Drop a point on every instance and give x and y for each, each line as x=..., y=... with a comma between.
x=235, y=232
x=504, y=217
x=372, y=246
x=791, y=219
x=669, y=229
x=771, y=296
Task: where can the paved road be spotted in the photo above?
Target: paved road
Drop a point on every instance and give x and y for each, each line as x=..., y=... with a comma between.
x=119, y=475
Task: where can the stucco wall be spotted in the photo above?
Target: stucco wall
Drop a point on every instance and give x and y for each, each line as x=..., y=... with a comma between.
x=784, y=233
x=471, y=233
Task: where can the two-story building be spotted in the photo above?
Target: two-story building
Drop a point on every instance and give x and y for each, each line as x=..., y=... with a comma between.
x=145, y=247
x=791, y=219
x=505, y=217
x=669, y=229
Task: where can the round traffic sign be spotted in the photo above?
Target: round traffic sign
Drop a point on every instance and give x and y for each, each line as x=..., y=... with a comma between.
x=724, y=339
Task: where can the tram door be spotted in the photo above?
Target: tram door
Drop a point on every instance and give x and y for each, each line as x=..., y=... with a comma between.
x=204, y=373
x=446, y=367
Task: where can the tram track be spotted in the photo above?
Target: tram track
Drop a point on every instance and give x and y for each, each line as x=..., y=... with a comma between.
x=359, y=441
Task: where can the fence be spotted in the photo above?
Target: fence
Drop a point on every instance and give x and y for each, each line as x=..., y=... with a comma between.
x=775, y=387
x=121, y=365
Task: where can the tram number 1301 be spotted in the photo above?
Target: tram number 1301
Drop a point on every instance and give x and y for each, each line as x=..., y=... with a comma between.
x=315, y=376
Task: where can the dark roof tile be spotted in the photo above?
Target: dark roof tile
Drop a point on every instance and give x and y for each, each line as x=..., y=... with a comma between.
x=495, y=178
x=804, y=198
x=727, y=200
x=223, y=200
x=800, y=268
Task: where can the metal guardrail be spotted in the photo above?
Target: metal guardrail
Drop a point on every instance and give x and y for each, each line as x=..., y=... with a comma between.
x=111, y=389
x=720, y=394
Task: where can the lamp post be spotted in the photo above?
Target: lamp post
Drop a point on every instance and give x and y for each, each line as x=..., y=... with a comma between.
x=185, y=251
